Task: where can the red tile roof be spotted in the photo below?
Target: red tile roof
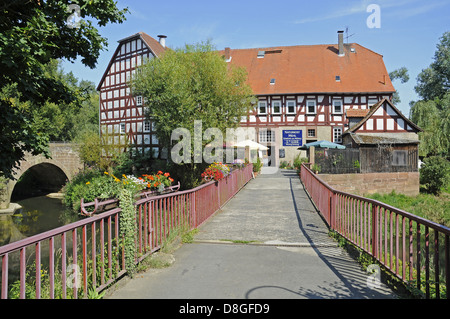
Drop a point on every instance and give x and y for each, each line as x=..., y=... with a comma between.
x=313, y=69
x=357, y=112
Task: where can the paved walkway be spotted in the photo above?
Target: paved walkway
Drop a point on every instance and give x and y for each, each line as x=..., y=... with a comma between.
x=290, y=254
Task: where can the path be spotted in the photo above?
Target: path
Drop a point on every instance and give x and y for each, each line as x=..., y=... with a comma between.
x=290, y=254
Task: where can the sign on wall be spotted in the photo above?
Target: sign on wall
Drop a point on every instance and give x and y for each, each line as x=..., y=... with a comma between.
x=292, y=137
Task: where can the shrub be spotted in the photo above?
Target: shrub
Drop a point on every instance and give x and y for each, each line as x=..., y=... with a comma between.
x=257, y=166
x=435, y=174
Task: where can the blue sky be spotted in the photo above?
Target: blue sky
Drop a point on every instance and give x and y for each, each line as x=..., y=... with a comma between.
x=408, y=34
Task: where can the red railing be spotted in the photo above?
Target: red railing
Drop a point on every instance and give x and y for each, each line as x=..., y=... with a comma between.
x=414, y=249
x=92, y=246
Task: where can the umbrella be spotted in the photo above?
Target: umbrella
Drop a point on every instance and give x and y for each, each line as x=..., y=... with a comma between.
x=321, y=144
x=253, y=145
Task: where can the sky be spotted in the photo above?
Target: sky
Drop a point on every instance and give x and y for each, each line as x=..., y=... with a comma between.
x=405, y=32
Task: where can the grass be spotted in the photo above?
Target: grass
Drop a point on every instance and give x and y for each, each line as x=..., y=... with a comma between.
x=428, y=206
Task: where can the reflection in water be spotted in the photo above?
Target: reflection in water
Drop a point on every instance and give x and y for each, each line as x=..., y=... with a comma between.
x=38, y=215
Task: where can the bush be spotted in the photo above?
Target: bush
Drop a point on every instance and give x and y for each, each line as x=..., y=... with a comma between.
x=435, y=174
x=257, y=166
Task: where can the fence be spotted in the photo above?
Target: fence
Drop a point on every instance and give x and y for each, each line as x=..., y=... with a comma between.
x=383, y=158
x=414, y=249
x=85, y=257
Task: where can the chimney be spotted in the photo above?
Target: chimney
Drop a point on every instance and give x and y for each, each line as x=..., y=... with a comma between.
x=162, y=40
x=341, y=43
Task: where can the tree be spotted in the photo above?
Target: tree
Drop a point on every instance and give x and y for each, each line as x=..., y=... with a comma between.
x=434, y=81
x=188, y=85
x=432, y=113
x=33, y=32
x=403, y=76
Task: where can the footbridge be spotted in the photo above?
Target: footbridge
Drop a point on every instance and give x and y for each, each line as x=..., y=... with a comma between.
x=52, y=173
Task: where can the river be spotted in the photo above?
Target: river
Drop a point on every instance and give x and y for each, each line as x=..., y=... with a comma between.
x=37, y=215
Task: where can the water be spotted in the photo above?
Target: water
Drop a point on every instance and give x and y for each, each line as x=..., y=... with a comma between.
x=37, y=215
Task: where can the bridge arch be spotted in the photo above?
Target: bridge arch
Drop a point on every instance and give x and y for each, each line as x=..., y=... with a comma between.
x=64, y=163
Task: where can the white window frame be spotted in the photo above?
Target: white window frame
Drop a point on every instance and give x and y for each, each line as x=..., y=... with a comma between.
x=334, y=106
x=307, y=107
x=313, y=131
x=139, y=100
x=287, y=107
x=273, y=106
x=262, y=104
x=147, y=126
x=337, y=134
x=266, y=136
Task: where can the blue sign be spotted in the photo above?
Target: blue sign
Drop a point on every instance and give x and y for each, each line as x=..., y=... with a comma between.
x=292, y=137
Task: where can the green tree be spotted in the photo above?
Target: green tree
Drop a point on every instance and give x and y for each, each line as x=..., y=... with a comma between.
x=192, y=84
x=402, y=75
x=32, y=33
x=434, y=81
x=432, y=113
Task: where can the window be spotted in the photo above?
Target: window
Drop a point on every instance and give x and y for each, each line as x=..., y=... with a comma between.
x=262, y=107
x=337, y=106
x=337, y=135
x=147, y=126
x=311, y=133
x=138, y=100
x=310, y=107
x=399, y=158
x=290, y=107
x=261, y=54
x=338, y=78
x=272, y=81
x=276, y=107
x=266, y=136
x=122, y=128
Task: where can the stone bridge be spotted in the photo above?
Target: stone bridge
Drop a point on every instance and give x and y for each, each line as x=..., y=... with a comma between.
x=52, y=172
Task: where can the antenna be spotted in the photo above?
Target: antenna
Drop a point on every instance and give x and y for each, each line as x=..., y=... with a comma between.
x=346, y=34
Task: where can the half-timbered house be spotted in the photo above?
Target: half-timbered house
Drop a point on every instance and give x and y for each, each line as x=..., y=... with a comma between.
x=303, y=93
x=122, y=115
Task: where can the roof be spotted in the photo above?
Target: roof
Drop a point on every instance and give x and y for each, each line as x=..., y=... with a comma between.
x=153, y=45
x=357, y=112
x=321, y=144
x=312, y=69
x=374, y=140
x=374, y=108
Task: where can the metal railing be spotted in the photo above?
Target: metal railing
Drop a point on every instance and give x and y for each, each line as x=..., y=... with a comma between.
x=85, y=257
x=412, y=248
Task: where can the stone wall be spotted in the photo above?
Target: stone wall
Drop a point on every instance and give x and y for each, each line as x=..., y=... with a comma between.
x=369, y=183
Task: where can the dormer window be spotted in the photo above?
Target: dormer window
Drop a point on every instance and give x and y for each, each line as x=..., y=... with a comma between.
x=272, y=81
x=338, y=78
x=261, y=54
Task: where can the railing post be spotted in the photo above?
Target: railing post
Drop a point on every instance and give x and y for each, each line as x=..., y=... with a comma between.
x=374, y=230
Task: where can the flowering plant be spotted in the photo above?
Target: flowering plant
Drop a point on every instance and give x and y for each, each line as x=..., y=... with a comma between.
x=212, y=174
x=157, y=181
x=215, y=172
x=222, y=167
